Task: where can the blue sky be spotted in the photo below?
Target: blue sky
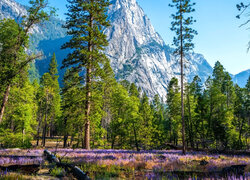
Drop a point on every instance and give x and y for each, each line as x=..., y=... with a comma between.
x=219, y=38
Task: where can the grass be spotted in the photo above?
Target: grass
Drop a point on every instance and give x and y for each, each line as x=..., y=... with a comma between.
x=125, y=164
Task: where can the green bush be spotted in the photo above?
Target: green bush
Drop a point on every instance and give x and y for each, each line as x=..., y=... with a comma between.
x=9, y=139
x=57, y=172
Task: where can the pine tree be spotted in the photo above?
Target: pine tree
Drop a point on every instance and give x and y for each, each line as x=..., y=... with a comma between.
x=85, y=23
x=183, y=42
x=240, y=116
x=193, y=120
x=221, y=107
x=47, y=103
x=173, y=110
x=247, y=107
x=158, y=123
x=146, y=114
x=72, y=104
x=56, y=100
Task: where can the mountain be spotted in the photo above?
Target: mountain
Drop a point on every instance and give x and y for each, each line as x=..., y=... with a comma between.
x=241, y=78
x=136, y=51
x=139, y=54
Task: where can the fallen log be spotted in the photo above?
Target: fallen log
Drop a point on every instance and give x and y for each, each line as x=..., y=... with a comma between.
x=70, y=168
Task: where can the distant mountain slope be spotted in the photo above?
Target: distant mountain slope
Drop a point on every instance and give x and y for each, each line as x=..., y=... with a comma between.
x=241, y=78
x=137, y=52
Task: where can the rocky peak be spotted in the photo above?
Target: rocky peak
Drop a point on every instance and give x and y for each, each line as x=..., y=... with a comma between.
x=11, y=9
x=138, y=53
x=130, y=29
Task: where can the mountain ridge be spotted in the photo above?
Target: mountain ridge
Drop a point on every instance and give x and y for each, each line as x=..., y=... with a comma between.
x=136, y=51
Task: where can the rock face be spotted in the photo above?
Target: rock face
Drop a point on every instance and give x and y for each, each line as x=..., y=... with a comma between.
x=136, y=51
x=10, y=9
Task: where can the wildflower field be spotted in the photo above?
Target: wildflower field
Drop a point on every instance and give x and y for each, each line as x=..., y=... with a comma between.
x=124, y=164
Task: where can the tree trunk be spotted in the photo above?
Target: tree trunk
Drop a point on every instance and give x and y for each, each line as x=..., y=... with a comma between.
x=51, y=128
x=45, y=123
x=113, y=143
x=88, y=88
x=240, y=133
x=65, y=139
x=38, y=130
x=44, y=131
x=5, y=100
x=71, y=140
x=88, y=105
x=191, y=133
x=135, y=135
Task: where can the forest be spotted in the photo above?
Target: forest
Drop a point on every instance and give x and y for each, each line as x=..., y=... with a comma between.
x=122, y=116
x=92, y=110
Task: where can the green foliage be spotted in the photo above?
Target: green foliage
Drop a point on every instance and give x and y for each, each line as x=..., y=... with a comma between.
x=173, y=110
x=19, y=107
x=20, y=113
x=33, y=72
x=86, y=22
x=49, y=101
x=14, y=39
x=72, y=104
x=57, y=172
x=12, y=177
x=181, y=26
x=8, y=139
x=11, y=56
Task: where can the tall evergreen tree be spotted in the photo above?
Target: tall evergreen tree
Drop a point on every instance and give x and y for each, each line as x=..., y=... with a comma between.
x=159, y=136
x=85, y=23
x=146, y=114
x=72, y=106
x=183, y=42
x=240, y=115
x=56, y=109
x=173, y=110
x=47, y=103
x=193, y=120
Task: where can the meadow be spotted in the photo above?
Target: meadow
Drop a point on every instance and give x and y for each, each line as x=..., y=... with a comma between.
x=125, y=164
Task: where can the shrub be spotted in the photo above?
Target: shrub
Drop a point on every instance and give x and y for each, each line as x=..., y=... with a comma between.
x=9, y=139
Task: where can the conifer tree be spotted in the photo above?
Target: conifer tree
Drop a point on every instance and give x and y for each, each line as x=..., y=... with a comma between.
x=173, y=108
x=146, y=114
x=47, y=103
x=158, y=122
x=240, y=115
x=221, y=109
x=72, y=103
x=183, y=42
x=85, y=23
x=193, y=121
x=56, y=100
